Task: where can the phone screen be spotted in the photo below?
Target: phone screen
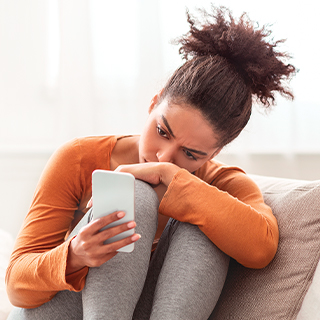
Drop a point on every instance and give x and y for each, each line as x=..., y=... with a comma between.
x=114, y=191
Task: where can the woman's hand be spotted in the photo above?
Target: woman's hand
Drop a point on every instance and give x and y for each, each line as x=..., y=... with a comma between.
x=88, y=248
x=154, y=173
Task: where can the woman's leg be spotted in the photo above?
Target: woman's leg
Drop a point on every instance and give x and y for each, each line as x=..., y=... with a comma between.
x=65, y=305
x=185, y=278
x=112, y=290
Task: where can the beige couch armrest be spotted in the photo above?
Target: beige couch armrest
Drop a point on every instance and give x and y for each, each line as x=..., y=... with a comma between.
x=279, y=290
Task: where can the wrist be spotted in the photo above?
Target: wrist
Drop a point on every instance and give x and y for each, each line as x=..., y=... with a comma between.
x=168, y=172
x=73, y=263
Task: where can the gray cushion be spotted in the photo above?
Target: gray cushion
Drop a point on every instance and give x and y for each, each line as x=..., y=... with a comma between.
x=277, y=291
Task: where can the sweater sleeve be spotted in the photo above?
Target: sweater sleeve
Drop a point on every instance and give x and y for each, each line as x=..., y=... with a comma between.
x=231, y=213
x=37, y=266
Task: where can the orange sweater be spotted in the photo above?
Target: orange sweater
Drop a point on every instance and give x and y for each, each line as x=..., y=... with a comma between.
x=223, y=201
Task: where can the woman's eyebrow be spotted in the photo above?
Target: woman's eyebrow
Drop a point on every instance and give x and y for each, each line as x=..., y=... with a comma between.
x=165, y=121
x=167, y=125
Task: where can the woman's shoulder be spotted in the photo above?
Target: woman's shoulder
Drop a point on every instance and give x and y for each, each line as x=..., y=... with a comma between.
x=91, y=143
x=228, y=178
x=213, y=168
x=225, y=177
x=90, y=146
x=85, y=153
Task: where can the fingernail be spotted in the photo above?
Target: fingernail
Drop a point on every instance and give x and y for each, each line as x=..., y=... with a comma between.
x=131, y=224
x=120, y=214
x=136, y=237
x=89, y=204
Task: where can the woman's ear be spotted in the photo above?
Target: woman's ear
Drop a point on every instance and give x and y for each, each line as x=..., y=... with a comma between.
x=154, y=101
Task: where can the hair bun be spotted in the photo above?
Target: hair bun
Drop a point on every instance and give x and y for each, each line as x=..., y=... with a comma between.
x=244, y=46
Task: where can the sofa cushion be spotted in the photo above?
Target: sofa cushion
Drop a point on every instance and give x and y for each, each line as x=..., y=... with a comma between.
x=277, y=291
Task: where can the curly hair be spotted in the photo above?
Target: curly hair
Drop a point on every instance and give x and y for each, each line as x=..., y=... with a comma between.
x=227, y=64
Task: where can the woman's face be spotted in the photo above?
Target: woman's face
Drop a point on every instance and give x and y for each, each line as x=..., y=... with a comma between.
x=179, y=134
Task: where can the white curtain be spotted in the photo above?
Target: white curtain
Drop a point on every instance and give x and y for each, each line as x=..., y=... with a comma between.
x=72, y=68
x=85, y=67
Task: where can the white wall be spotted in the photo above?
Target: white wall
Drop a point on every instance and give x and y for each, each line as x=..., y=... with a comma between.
x=297, y=166
x=19, y=173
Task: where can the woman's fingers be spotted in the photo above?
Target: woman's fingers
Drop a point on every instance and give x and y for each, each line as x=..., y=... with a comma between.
x=95, y=257
x=88, y=248
x=89, y=204
x=114, y=246
x=113, y=231
x=108, y=251
x=96, y=225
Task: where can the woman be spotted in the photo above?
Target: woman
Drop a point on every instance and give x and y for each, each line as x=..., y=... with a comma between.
x=216, y=211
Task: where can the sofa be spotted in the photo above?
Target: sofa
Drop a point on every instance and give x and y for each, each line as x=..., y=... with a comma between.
x=288, y=288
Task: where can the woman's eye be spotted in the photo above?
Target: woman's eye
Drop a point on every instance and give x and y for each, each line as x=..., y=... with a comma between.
x=161, y=132
x=190, y=155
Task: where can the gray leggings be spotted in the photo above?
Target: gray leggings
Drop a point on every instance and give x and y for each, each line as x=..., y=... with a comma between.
x=183, y=280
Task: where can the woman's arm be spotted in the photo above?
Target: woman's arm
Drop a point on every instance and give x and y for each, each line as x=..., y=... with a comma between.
x=42, y=262
x=158, y=174
x=37, y=265
x=232, y=212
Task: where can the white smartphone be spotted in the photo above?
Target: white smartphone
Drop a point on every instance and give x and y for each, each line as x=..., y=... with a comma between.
x=114, y=191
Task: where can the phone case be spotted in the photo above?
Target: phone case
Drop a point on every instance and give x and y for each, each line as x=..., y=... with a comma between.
x=114, y=191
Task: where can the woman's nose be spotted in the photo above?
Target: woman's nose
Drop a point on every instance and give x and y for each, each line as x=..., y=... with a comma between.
x=165, y=156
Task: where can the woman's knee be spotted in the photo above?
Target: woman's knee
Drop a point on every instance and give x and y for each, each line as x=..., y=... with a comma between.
x=190, y=241
x=192, y=275
x=146, y=206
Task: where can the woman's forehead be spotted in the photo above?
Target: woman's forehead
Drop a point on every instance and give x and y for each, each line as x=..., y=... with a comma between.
x=187, y=124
